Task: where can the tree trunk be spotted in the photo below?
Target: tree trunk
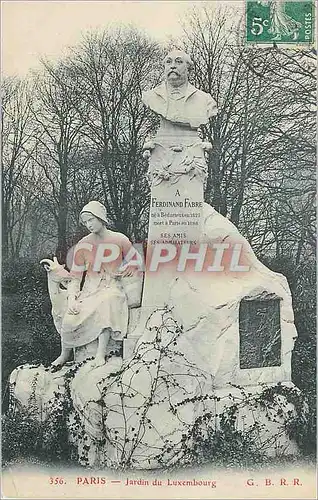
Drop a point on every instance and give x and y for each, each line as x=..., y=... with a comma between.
x=61, y=250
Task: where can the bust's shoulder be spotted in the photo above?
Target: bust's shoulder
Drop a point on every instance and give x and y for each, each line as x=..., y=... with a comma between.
x=207, y=100
x=149, y=95
x=201, y=93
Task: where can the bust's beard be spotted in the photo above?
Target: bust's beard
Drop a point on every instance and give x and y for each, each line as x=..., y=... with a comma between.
x=177, y=82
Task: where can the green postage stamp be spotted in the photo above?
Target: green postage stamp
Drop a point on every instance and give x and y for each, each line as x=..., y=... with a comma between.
x=285, y=21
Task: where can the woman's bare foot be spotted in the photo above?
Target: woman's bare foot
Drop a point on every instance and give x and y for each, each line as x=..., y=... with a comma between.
x=61, y=360
x=99, y=360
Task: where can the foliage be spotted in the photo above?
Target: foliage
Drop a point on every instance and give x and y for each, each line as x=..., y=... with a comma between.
x=223, y=440
x=21, y=435
x=300, y=425
x=302, y=282
x=226, y=446
x=27, y=434
x=28, y=333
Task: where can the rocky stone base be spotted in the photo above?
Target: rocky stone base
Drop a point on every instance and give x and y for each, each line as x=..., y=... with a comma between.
x=155, y=409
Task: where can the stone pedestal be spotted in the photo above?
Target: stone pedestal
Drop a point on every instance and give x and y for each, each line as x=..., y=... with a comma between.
x=177, y=171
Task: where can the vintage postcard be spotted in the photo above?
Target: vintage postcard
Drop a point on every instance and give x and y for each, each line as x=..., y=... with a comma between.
x=159, y=249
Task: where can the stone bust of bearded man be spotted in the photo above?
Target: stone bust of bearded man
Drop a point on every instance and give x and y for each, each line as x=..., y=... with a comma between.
x=175, y=99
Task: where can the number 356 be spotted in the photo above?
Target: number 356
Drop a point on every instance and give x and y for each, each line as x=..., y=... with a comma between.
x=258, y=25
x=57, y=480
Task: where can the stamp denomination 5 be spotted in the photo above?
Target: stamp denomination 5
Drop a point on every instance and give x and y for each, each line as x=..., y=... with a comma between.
x=282, y=21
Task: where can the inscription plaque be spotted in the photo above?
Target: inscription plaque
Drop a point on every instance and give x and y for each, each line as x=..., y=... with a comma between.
x=260, y=333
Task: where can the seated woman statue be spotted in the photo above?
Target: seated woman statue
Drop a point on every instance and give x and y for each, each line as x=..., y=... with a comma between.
x=97, y=308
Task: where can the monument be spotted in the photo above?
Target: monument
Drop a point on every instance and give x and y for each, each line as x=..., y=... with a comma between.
x=213, y=321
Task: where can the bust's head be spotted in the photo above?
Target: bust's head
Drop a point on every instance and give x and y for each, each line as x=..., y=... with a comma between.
x=177, y=65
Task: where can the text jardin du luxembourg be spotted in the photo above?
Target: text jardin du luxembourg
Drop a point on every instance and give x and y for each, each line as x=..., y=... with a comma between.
x=171, y=482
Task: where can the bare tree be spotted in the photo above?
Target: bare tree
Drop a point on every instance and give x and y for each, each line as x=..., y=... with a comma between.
x=57, y=140
x=112, y=68
x=17, y=169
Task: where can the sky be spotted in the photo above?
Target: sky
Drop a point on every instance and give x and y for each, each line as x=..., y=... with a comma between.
x=46, y=28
